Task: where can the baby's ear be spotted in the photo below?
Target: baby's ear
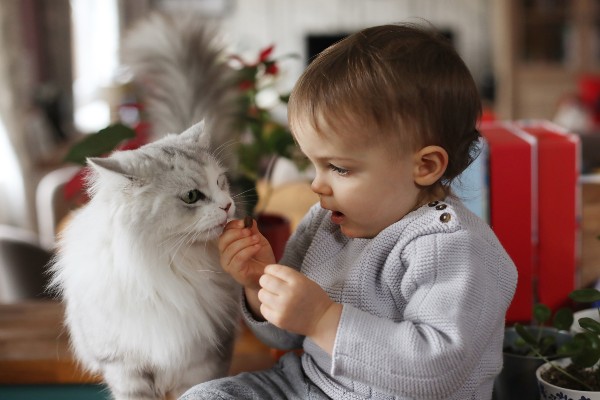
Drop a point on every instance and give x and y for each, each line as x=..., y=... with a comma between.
x=197, y=134
x=430, y=164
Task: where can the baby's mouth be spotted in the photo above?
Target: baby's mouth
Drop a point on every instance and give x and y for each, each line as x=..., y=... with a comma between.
x=337, y=217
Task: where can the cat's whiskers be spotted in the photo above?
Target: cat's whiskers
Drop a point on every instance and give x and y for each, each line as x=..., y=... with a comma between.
x=191, y=238
x=180, y=237
x=177, y=244
x=183, y=239
x=245, y=193
x=243, y=198
x=175, y=248
x=218, y=152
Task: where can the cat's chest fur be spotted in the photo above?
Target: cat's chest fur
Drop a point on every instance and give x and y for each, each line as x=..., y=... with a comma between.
x=147, y=302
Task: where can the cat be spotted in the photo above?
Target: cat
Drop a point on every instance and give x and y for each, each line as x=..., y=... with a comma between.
x=147, y=305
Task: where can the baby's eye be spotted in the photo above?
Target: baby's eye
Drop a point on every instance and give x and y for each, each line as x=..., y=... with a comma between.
x=340, y=171
x=193, y=196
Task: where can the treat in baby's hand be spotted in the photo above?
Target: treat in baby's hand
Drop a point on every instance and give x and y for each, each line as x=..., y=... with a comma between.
x=248, y=221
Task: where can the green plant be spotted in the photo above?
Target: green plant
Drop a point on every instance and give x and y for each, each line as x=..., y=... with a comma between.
x=114, y=136
x=584, y=349
x=262, y=138
x=540, y=344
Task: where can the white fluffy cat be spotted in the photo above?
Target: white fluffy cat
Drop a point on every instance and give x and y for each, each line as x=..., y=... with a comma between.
x=147, y=304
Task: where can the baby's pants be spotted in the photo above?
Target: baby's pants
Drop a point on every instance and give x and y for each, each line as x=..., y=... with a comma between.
x=286, y=380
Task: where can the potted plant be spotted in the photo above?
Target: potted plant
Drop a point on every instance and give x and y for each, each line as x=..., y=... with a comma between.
x=577, y=374
x=262, y=140
x=520, y=359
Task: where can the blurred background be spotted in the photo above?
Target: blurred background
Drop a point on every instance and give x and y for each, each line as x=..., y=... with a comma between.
x=61, y=79
x=59, y=63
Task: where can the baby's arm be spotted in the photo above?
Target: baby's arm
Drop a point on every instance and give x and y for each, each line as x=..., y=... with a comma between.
x=244, y=254
x=292, y=301
x=296, y=249
x=455, y=289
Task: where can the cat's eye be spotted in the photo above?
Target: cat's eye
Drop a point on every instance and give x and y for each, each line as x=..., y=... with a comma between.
x=222, y=182
x=193, y=196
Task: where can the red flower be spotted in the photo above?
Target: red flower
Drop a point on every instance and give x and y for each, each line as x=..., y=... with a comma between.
x=74, y=189
x=265, y=54
x=142, y=130
x=272, y=69
x=245, y=85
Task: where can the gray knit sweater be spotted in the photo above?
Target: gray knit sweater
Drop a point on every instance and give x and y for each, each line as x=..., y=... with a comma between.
x=423, y=305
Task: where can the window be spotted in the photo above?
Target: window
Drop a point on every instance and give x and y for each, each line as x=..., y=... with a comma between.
x=95, y=30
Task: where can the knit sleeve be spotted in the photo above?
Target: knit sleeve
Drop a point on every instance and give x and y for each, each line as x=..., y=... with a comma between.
x=269, y=334
x=293, y=256
x=454, y=289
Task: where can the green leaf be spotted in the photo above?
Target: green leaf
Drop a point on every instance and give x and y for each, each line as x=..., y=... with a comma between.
x=569, y=349
x=585, y=295
x=247, y=73
x=547, y=343
x=563, y=319
x=589, y=351
x=525, y=335
x=280, y=141
x=520, y=342
x=541, y=313
x=249, y=159
x=100, y=143
x=590, y=324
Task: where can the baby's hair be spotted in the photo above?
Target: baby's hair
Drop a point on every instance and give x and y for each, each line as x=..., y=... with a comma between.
x=404, y=83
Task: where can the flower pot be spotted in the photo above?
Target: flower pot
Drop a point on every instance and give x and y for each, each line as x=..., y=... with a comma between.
x=517, y=380
x=549, y=391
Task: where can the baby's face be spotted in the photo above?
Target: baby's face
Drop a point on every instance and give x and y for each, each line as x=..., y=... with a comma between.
x=365, y=188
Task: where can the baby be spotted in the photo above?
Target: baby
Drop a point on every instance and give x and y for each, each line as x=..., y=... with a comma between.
x=392, y=288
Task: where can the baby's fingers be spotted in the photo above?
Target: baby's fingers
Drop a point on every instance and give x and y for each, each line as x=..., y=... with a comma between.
x=231, y=233
x=239, y=251
x=272, y=284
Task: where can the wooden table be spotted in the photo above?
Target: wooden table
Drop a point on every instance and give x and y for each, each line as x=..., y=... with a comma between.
x=34, y=347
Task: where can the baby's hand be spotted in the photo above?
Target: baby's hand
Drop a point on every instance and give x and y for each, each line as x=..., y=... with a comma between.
x=244, y=252
x=292, y=301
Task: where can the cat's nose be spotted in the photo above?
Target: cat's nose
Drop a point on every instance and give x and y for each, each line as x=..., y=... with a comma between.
x=227, y=207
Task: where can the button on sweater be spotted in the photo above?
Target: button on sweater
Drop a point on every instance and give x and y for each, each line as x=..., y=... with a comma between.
x=424, y=304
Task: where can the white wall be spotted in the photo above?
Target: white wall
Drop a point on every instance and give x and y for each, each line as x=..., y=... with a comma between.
x=253, y=24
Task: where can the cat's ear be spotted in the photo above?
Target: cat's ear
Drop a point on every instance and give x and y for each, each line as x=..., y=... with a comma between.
x=197, y=134
x=110, y=167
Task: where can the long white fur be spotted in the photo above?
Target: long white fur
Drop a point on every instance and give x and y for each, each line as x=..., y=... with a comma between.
x=179, y=63
x=147, y=303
